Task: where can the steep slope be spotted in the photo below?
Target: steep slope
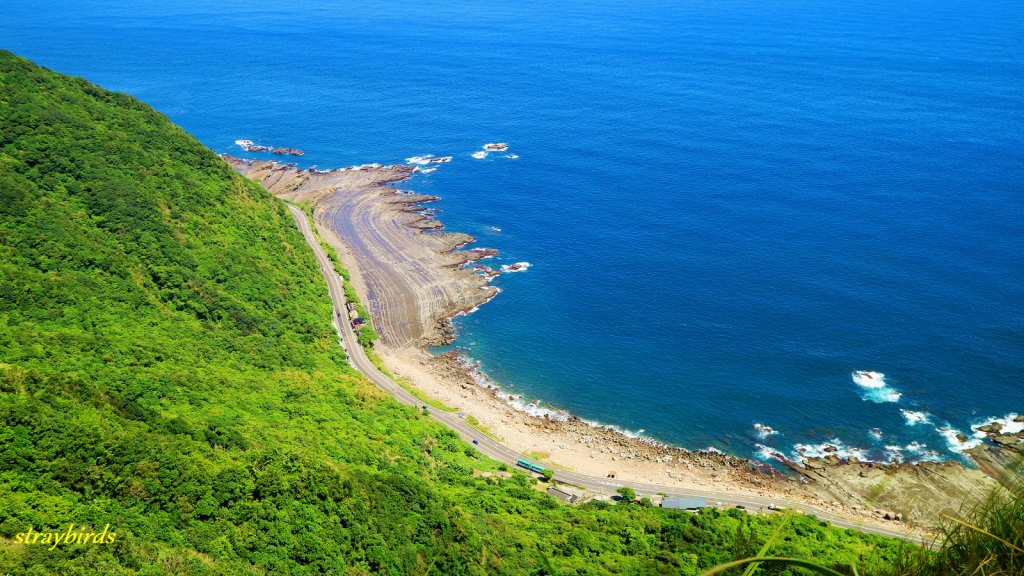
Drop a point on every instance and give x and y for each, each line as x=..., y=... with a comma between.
x=168, y=371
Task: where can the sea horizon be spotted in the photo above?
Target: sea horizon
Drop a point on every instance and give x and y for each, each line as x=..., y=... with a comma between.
x=723, y=227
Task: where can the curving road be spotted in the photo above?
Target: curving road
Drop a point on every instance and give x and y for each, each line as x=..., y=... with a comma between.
x=494, y=449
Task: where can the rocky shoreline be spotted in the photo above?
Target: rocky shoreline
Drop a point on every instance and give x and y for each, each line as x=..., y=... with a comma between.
x=919, y=494
x=414, y=276
x=1003, y=457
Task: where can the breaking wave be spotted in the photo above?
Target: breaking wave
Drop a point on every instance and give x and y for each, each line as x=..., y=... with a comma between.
x=420, y=160
x=957, y=440
x=914, y=418
x=1009, y=423
x=876, y=389
x=834, y=447
x=517, y=267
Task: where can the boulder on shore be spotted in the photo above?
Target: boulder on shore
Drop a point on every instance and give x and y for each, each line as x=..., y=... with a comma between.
x=994, y=427
x=1005, y=440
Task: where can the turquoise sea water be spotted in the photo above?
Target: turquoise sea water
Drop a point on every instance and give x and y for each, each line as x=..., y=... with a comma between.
x=729, y=207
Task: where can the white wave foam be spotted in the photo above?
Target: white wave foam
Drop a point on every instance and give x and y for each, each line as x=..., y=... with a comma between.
x=636, y=435
x=1008, y=423
x=494, y=229
x=479, y=155
x=764, y=431
x=517, y=267
x=869, y=379
x=768, y=453
x=922, y=452
x=883, y=395
x=914, y=418
x=914, y=451
x=512, y=156
x=421, y=160
x=244, y=143
x=875, y=433
x=428, y=170
x=834, y=447
x=536, y=407
x=956, y=444
x=876, y=388
x=918, y=452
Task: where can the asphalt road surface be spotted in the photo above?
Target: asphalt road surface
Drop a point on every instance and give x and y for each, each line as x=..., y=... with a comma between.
x=496, y=450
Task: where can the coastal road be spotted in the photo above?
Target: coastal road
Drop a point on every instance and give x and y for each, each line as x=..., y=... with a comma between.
x=496, y=450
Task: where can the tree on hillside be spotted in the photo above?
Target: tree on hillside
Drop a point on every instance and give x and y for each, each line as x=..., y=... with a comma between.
x=628, y=495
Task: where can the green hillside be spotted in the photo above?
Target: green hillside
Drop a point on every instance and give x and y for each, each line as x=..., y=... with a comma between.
x=168, y=369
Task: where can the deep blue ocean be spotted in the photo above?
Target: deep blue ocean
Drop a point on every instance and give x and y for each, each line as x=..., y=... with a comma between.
x=728, y=206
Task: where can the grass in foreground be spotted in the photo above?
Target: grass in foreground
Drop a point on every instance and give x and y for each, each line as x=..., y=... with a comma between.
x=987, y=541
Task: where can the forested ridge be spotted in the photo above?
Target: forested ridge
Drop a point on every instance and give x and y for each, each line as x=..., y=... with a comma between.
x=168, y=368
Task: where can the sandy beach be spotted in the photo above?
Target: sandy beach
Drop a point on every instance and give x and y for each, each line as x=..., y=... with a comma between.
x=411, y=274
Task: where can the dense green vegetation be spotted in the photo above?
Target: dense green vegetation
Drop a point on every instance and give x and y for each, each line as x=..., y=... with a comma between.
x=987, y=541
x=168, y=368
x=366, y=334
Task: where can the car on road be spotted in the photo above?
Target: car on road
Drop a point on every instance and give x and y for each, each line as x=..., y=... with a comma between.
x=475, y=441
x=741, y=507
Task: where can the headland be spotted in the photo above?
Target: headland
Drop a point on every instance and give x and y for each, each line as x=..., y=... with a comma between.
x=413, y=282
x=414, y=277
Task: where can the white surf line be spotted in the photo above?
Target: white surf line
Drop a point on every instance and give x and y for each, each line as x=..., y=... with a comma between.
x=506, y=455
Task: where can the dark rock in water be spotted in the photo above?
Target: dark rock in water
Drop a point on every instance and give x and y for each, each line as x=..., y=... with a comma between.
x=278, y=151
x=994, y=427
x=1019, y=418
x=961, y=437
